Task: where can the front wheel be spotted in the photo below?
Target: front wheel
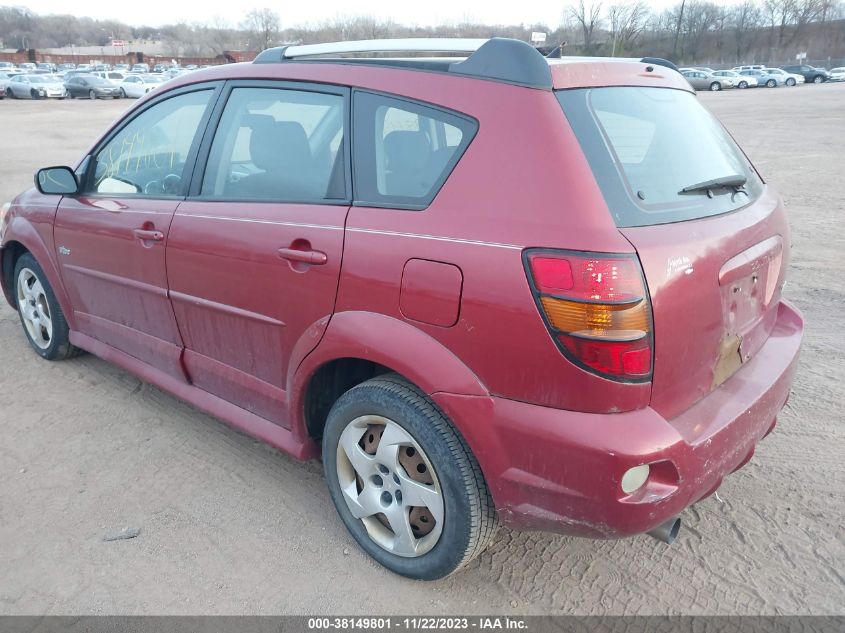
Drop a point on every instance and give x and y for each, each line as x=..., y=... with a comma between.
x=404, y=482
x=790, y=82
x=92, y=95
x=771, y=83
x=41, y=316
x=743, y=84
x=715, y=86
x=122, y=93
x=818, y=79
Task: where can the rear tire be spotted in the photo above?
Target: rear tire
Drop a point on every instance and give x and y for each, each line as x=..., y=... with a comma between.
x=382, y=485
x=122, y=93
x=92, y=95
x=818, y=79
x=771, y=83
x=41, y=316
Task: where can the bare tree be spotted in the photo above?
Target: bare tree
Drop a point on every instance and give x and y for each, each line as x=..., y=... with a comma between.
x=780, y=13
x=588, y=17
x=263, y=25
x=745, y=19
x=627, y=22
x=679, y=21
x=699, y=20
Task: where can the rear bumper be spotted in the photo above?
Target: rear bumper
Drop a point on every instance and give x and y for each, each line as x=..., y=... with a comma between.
x=560, y=471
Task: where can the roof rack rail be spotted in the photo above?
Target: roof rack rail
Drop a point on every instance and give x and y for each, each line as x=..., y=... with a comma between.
x=498, y=58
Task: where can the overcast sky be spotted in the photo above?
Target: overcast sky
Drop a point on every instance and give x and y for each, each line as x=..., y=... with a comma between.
x=426, y=13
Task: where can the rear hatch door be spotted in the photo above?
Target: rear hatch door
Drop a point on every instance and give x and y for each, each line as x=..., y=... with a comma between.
x=711, y=237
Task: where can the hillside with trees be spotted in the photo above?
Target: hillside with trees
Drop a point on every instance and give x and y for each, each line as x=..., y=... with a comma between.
x=691, y=31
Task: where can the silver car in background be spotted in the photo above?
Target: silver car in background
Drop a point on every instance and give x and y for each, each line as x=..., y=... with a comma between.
x=837, y=74
x=790, y=79
x=703, y=80
x=35, y=87
x=763, y=78
x=740, y=81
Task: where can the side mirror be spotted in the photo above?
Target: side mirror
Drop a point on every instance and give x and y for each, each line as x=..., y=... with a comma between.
x=57, y=180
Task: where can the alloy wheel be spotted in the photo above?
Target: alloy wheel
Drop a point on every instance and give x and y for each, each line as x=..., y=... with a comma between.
x=34, y=308
x=389, y=484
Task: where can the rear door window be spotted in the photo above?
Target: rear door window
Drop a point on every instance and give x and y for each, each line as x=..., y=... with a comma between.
x=404, y=151
x=646, y=145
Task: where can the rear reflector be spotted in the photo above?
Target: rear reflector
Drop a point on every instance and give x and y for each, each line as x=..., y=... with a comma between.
x=597, y=309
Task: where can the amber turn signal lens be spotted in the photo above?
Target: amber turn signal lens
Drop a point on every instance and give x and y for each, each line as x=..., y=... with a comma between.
x=615, y=321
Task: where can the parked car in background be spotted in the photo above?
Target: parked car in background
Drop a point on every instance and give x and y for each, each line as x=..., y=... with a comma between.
x=810, y=73
x=84, y=68
x=5, y=77
x=763, y=78
x=789, y=79
x=66, y=67
x=701, y=80
x=361, y=289
x=141, y=68
x=102, y=67
x=136, y=86
x=35, y=87
x=837, y=74
x=748, y=67
x=121, y=67
x=4, y=66
x=115, y=77
x=50, y=68
x=92, y=87
x=27, y=66
x=159, y=68
x=739, y=81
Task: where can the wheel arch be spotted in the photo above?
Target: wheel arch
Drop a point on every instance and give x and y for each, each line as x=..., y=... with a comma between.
x=21, y=237
x=358, y=346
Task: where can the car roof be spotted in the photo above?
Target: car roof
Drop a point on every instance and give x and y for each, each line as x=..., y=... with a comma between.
x=497, y=59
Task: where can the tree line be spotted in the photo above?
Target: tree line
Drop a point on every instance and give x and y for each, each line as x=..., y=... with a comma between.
x=691, y=31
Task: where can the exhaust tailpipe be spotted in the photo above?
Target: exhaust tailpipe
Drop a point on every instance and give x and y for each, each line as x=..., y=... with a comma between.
x=667, y=532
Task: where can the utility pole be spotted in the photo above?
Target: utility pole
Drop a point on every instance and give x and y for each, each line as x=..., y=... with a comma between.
x=678, y=31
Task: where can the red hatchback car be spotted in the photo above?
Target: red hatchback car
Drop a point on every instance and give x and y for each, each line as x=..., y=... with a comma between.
x=489, y=288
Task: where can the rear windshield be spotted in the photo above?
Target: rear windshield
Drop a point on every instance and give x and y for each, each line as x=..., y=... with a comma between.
x=645, y=145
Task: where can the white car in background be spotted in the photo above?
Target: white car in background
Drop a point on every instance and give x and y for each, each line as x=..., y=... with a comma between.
x=790, y=79
x=115, y=77
x=740, y=81
x=136, y=86
x=837, y=74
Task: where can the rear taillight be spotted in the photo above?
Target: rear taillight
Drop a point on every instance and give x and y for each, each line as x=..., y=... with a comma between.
x=597, y=309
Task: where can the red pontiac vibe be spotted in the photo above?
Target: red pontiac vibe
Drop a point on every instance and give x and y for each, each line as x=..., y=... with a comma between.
x=489, y=288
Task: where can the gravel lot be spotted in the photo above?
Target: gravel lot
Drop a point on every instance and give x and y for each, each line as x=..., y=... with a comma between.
x=230, y=526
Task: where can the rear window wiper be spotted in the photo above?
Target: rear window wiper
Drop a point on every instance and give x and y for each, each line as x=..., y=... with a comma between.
x=734, y=181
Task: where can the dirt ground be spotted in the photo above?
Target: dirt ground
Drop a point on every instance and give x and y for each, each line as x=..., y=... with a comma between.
x=230, y=526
